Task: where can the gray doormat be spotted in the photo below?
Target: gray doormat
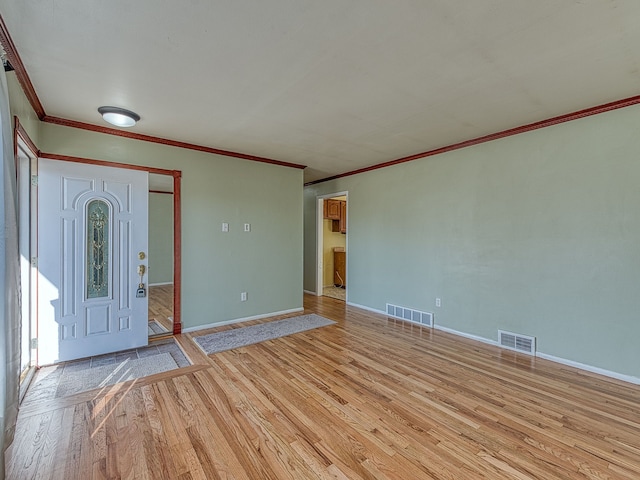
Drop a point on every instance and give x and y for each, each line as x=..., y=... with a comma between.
x=155, y=328
x=80, y=380
x=243, y=336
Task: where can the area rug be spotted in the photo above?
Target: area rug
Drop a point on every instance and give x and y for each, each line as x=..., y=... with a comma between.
x=243, y=336
x=155, y=328
x=81, y=380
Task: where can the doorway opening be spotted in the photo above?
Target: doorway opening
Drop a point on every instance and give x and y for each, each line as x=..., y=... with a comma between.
x=142, y=258
x=26, y=172
x=161, y=255
x=332, y=238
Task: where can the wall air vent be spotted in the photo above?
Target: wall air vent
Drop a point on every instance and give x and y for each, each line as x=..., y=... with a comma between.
x=517, y=342
x=410, y=315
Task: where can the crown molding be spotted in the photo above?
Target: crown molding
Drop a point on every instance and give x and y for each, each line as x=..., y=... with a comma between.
x=21, y=71
x=164, y=141
x=587, y=112
x=27, y=87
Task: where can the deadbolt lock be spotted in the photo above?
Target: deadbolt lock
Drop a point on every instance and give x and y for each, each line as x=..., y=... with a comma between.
x=141, y=255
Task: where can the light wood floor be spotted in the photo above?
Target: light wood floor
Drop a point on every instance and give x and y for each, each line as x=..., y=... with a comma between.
x=161, y=305
x=366, y=398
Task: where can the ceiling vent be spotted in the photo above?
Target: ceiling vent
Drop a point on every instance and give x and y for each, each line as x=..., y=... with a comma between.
x=517, y=342
x=410, y=315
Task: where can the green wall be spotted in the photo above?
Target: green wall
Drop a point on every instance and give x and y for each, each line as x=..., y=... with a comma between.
x=160, y=238
x=217, y=266
x=537, y=234
x=21, y=108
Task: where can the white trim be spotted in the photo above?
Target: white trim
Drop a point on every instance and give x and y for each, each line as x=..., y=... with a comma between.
x=310, y=292
x=28, y=213
x=382, y=312
x=26, y=382
x=319, y=245
x=467, y=335
x=344, y=193
x=589, y=368
x=552, y=358
x=160, y=283
x=320, y=238
x=239, y=320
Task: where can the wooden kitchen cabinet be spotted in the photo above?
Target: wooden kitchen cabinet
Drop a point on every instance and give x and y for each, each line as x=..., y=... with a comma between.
x=340, y=225
x=332, y=209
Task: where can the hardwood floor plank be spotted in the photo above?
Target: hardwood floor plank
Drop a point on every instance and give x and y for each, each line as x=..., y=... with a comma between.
x=78, y=461
x=161, y=305
x=368, y=397
x=223, y=427
x=98, y=436
x=63, y=445
x=26, y=448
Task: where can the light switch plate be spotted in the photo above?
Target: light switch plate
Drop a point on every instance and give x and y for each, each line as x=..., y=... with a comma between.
x=225, y=227
x=247, y=227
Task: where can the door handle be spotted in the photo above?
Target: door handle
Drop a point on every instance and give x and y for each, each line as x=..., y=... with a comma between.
x=141, y=291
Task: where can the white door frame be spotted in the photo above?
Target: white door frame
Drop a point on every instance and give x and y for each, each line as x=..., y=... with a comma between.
x=320, y=239
x=26, y=168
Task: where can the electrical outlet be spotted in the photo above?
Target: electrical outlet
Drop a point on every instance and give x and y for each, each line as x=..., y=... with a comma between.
x=438, y=302
x=225, y=227
x=247, y=227
x=243, y=297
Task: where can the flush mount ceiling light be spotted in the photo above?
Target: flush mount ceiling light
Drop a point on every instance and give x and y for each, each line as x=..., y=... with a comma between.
x=119, y=117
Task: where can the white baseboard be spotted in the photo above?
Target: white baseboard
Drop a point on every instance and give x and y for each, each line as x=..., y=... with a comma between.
x=589, y=368
x=24, y=385
x=310, y=293
x=552, y=358
x=466, y=335
x=239, y=320
x=363, y=307
x=563, y=361
x=160, y=283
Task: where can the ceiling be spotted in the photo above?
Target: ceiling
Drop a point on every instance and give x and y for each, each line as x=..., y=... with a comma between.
x=335, y=85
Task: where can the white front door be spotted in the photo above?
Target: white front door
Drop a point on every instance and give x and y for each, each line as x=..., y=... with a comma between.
x=92, y=225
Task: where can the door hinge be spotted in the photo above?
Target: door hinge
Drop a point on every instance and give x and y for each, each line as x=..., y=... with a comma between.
x=34, y=180
x=34, y=343
x=34, y=261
